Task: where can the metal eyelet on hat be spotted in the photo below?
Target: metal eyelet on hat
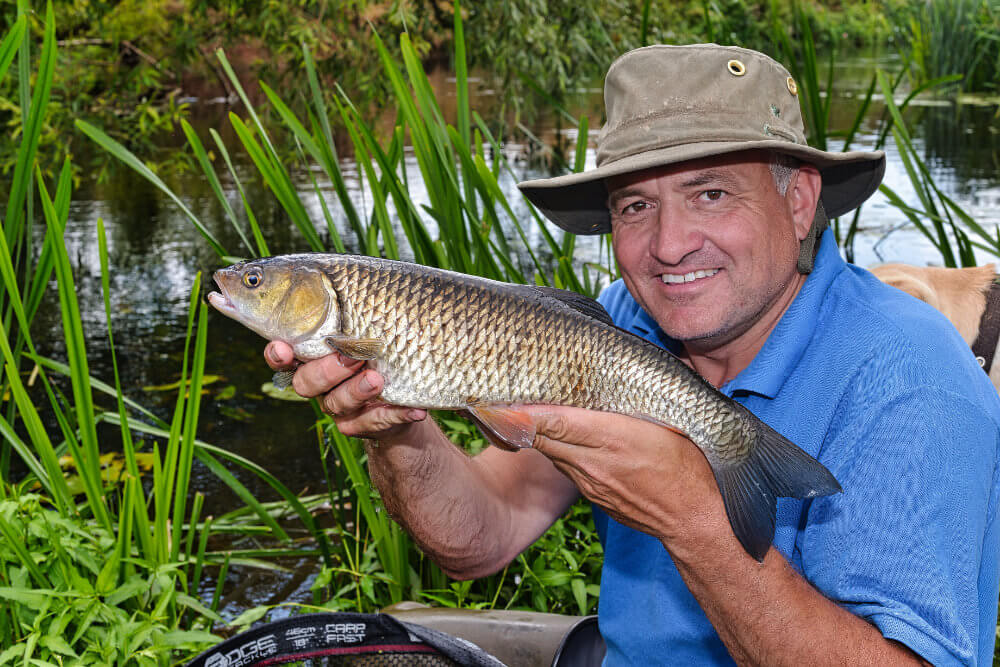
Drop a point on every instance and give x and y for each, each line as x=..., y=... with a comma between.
x=736, y=68
x=793, y=88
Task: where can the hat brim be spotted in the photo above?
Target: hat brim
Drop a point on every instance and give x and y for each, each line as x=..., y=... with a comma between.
x=578, y=202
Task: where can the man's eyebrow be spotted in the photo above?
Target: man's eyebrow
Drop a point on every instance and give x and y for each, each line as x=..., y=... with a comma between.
x=622, y=193
x=709, y=177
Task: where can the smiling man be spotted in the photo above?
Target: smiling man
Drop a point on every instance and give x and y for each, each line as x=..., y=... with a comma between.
x=717, y=210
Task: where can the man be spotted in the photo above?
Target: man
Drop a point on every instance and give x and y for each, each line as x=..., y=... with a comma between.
x=716, y=209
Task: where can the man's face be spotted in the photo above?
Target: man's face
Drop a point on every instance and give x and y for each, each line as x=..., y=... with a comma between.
x=709, y=247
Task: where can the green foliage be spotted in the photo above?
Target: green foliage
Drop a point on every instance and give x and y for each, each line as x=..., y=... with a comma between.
x=939, y=210
x=128, y=558
x=65, y=599
x=110, y=576
x=936, y=218
x=952, y=37
x=132, y=67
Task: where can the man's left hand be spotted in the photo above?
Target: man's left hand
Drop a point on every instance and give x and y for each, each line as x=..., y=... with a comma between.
x=642, y=474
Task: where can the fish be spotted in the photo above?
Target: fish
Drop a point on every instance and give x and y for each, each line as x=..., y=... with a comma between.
x=449, y=341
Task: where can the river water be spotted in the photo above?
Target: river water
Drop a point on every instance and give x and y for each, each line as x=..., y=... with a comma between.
x=155, y=255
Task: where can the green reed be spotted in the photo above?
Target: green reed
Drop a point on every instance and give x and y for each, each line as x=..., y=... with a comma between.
x=946, y=37
x=476, y=232
x=938, y=216
x=468, y=225
x=110, y=576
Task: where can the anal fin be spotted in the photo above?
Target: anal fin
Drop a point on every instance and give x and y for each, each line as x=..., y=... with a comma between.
x=504, y=425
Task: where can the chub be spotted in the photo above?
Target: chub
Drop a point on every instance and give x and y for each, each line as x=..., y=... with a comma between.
x=450, y=341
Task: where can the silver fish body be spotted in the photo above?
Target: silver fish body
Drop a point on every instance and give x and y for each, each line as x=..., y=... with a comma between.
x=444, y=340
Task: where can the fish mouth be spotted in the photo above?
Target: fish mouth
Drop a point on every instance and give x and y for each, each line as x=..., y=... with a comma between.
x=220, y=300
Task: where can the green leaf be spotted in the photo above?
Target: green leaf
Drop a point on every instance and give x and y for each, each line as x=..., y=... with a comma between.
x=57, y=644
x=554, y=577
x=172, y=386
x=249, y=616
x=15, y=651
x=191, y=603
x=33, y=599
x=186, y=637
x=127, y=157
x=134, y=586
x=580, y=595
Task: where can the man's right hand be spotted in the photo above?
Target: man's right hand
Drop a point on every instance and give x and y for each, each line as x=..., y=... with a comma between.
x=349, y=393
x=472, y=515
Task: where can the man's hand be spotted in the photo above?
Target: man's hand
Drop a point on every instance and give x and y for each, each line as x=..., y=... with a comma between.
x=644, y=475
x=472, y=515
x=349, y=393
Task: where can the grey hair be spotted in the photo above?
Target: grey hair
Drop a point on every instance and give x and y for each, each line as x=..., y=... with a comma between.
x=783, y=166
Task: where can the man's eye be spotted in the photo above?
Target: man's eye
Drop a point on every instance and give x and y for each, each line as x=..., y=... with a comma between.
x=713, y=195
x=635, y=207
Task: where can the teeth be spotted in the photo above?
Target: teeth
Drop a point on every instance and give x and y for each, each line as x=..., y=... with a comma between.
x=672, y=278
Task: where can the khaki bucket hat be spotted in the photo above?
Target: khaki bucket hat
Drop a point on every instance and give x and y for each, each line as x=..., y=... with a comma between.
x=667, y=104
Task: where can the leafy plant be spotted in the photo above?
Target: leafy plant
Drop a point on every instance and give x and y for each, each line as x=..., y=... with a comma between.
x=66, y=596
x=951, y=37
x=109, y=576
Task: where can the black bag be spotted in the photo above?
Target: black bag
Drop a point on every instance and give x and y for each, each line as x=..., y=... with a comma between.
x=342, y=639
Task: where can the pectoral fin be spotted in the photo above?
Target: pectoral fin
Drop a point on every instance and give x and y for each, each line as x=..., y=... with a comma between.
x=283, y=379
x=512, y=427
x=356, y=348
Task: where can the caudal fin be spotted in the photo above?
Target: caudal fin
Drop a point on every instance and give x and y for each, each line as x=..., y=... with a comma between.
x=750, y=489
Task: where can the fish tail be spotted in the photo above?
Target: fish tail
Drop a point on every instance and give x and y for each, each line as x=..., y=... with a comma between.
x=750, y=488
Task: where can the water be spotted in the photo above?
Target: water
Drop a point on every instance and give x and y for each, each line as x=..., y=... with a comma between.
x=155, y=255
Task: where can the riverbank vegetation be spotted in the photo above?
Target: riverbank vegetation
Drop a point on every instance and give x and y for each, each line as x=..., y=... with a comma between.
x=136, y=68
x=129, y=568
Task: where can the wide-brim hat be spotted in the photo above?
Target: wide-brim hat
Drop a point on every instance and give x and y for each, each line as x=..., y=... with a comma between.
x=669, y=104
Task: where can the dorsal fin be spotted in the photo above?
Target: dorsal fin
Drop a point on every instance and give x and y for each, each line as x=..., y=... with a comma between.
x=578, y=302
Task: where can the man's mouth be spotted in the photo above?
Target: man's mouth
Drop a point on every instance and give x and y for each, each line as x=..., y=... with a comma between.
x=679, y=278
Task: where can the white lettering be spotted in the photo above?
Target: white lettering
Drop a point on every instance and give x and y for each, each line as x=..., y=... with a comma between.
x=248, y=653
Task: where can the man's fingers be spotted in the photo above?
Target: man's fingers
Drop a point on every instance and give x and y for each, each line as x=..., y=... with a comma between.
x=321, y=375
x=379, y=419
x=556, y=450
x=279, y=356
x=352, y=395
x=578, y=426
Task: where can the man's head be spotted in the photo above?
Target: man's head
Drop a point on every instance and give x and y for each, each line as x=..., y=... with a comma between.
x=709, y=247
x=667, y=105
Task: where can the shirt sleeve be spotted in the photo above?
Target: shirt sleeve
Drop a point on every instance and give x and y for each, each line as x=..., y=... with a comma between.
x=904, y=545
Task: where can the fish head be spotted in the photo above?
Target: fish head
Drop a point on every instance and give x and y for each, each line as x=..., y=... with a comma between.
x=279, y=298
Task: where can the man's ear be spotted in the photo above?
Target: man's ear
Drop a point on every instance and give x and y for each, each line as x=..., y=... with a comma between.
x=803, y=195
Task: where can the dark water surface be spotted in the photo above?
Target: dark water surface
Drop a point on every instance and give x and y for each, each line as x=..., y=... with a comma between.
x=155, y=254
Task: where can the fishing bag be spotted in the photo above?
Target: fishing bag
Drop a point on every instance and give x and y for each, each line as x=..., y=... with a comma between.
x=345, y=639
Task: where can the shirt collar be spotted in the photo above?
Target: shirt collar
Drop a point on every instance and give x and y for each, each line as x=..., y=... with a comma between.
x=646, y=327
x=788, y=341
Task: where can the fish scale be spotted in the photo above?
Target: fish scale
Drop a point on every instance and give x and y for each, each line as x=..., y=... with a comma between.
x=443, y=340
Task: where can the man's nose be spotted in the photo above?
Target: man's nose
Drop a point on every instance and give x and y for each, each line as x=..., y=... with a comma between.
x=676, y=237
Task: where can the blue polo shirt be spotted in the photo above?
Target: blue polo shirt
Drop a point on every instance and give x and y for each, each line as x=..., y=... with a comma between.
x=882, y=390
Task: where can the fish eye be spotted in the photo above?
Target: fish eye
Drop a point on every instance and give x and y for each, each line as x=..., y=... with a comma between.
x=252, y=278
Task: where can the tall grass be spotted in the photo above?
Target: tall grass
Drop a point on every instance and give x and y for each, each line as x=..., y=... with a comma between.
x=149, y=538
x=110, y=576
x=468, y=225
x=946, y=37
x=937, y=218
